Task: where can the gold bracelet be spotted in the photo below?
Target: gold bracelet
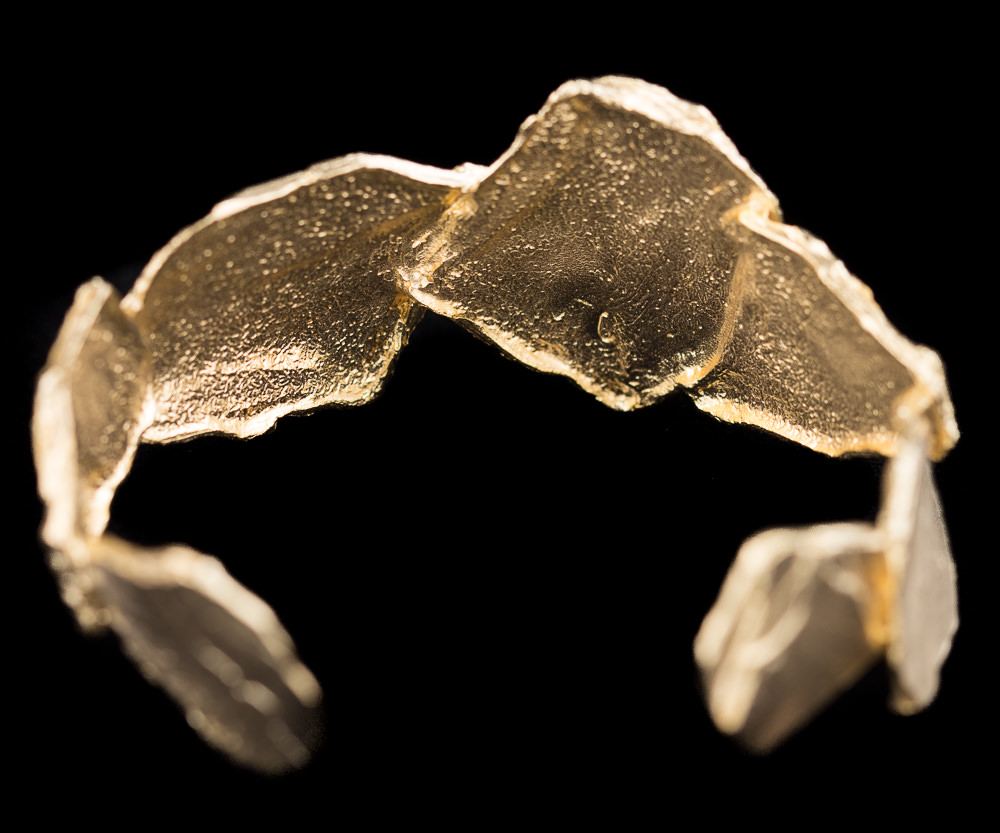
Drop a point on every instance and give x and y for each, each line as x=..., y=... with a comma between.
x=623, y=242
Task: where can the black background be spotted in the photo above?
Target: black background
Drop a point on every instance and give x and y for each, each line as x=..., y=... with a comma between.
x=496, y=580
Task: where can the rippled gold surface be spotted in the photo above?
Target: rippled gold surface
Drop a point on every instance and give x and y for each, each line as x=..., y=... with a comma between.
x=621, y=241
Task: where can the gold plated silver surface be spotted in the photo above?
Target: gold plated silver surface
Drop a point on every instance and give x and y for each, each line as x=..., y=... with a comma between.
x=621, y=241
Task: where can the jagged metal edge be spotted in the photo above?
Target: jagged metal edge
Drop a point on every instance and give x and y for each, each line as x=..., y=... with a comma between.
x=283, y=186
x=262, y=194
x=922, y=363
x=623, y=93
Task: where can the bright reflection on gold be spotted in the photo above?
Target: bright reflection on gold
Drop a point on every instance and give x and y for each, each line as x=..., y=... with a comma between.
x=621, y=241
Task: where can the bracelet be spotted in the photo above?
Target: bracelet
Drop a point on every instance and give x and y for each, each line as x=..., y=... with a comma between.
x=623, y=242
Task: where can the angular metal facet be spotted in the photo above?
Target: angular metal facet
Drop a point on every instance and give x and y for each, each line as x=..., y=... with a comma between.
x=922, y=583
x=798, y=620
x=284, y=298
x=598, y=245
x=216, y=647
x=804, y=612
x=90, y=410
x=811, y=356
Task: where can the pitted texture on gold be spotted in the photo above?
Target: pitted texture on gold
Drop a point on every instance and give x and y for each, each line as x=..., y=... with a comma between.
x=598, y=246
x=811, y=356
x=621, y=241
x=283, y=299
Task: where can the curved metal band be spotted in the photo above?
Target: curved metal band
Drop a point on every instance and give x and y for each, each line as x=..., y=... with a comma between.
x=621, y=241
